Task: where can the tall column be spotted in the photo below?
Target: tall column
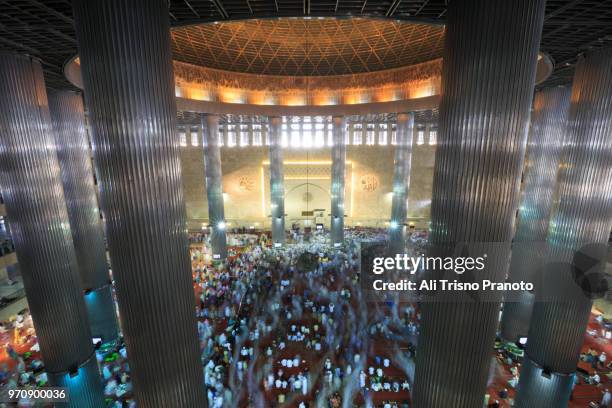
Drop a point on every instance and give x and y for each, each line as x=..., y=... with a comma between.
x=127, y=72
x=338, y=153
x=214, y=191
x=80, y=193
x=490, y=56
x=401, y=182
x=34, y=200
x=548, y=122
x=577, y=239
x=277, y=183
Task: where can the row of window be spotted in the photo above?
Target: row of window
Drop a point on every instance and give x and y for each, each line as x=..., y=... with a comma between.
x=306, y=135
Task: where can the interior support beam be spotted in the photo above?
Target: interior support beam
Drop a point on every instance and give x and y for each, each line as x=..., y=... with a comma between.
x=479, y=159
x=277, y=182
x=401, y=182
x=338, y=153
x=577, y=237
x=129, y=88
x=40, y=228
x=73, y=153
x=214, y=186
x=548, y=128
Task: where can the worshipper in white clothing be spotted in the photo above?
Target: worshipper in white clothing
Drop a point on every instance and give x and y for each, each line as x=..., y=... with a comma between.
x=305, y=382
x=606, y=399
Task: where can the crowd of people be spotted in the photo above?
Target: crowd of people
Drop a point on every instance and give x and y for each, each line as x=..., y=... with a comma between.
x=283, y=327
x=287, y=327
x=21, y=363
x=112, y=358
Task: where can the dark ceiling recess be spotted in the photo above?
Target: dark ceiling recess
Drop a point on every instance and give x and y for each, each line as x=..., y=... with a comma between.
x=45, y=29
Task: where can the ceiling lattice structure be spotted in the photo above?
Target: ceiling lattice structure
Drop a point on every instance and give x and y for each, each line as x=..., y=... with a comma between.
x=305, y=47
x=45, y=28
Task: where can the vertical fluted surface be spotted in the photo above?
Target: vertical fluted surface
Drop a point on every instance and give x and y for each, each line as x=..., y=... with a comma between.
x=67, y=116
x=34, y=200
x=80, y=384
x=277, y=182
x=551, y=390
x=401, y=182
x=127, y=73
x=338, y=153
x=490, y=56
x=579, y=225
x=214, y=186
x=101, y=313
x=518, y=306
x=548, y=125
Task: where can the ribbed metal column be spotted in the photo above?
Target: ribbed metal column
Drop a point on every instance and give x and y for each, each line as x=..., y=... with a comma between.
x=580, y=225
x=277, y=182
x=548, y=122
x=34, y=200
x=338, y=153
x=401, y=182
x=490, y=57
x=549, y=390
x=84, y=385
x=127, y=73
x=214, y=186
x=68, y=118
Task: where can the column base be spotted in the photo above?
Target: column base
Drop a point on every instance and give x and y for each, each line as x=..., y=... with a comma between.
x=101, y=313
x=85, y=388
x=397, y=242
x=537, y=388
x=336, y=233
x=278, y=230
x=218, y=243
x=516, y=317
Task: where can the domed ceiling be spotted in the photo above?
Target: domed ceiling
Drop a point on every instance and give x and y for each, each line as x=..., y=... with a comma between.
x=307, y=47
x=45, y=29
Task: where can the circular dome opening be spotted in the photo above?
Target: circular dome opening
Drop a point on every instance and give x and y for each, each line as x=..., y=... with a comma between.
x=307, y=46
